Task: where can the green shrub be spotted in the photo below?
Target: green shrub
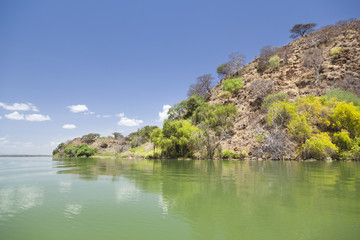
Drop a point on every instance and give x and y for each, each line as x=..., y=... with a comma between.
x=343, y=96
x=342, y=140
x=225, y=95
x=281, y=113
x=300, y=128
x=226, y=154
x=85, y=150
x=273, y=98
x=346, y=116
x=274, y=62
x=233, y=85
x=156, y=154
x=319, y=147
x=239, y=156
x=104, y=145
x=336, y=52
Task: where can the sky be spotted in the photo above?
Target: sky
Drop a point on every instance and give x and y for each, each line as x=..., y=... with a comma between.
x=73, y=67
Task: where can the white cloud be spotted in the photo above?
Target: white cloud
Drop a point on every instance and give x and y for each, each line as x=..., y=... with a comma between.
x=164, y=114
x=15, y=116
x=69, y=126
x=37, y=118
x=103, y=116
x=89, y=113
x=78, y=108
x=0, y=117
x=128, y=122
x=19, y=107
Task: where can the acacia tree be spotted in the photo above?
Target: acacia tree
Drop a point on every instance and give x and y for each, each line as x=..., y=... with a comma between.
x=118, y=135
x=236, y=61
x=300, y=30
x=313, y=58
x=202, y=87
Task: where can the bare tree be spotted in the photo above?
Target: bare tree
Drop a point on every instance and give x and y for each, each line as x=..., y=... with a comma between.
x=275, y=143
x=300, y=30
x=265, y=53
x=313, y=58
x=260, y=89
x=237, y=60
x=202, y=87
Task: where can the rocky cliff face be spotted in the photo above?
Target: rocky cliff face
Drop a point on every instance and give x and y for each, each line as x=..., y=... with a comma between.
x=341, y=71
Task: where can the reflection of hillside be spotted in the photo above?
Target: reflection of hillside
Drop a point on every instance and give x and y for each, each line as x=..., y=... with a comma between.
x=240, y=196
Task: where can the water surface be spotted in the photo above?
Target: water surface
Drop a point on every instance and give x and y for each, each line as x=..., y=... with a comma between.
x=41, y=198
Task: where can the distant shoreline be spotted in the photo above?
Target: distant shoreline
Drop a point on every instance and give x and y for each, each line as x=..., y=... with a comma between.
x=24, y=155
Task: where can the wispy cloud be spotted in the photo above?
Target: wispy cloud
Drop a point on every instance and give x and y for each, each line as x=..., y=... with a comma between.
x=0, y=117
x=19, y=107
x=78, y=108
x=37, y=118
x=164, y=114
x=128, y=122
x=15, y=116
x=68, y=126
x=103, y=116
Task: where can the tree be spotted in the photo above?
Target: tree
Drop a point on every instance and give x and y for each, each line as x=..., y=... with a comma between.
x=90, y=138
x=233, y=85
x=236, y=61
x=265, y=54
x=202, y=87
x=313, y=58
x=118, y=135
x=223, y=70
x=300, y=30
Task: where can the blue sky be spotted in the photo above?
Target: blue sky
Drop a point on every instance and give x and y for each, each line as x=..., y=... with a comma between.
x=121, y=62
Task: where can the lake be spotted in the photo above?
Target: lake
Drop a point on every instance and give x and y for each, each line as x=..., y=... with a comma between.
x=42, y=198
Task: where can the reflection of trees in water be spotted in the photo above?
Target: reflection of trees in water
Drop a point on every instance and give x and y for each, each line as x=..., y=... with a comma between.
x=236, y=196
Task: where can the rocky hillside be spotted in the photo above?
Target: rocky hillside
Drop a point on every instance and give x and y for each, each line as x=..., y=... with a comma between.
x=340, y=68
x=105, y=146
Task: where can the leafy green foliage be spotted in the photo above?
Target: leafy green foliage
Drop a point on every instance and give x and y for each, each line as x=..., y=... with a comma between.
x=281, y=113
x=225, y=95
x=223, y=70
x=118, y=135
x=273, y=98
x=141, y=136
x=84, y=151
x=342, y=140
x=58, y=149
x=226, y=154
x=104, y=145
x=300, y=128
x=186, y=108
x=345, y=96
x=336, y=52
x=319, y=147
x=274, y=62
x=346, y=116
x=177, y=138
x=233, y=85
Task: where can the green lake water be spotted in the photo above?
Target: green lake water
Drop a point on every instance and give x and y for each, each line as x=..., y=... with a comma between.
x=42, y=198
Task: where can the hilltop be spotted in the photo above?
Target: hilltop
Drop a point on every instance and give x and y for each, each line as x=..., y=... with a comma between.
x=338, y=70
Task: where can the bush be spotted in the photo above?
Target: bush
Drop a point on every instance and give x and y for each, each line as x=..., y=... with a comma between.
x=274, y=62
x=273, y=98
x=104, y=145
x=226, y=154
x=85, y=150
x=300, y=128
x=343, y=96
x=281, y=113
x=233, y=85
x=225, y=95
x=342, y=140
x=319, y=147
x=346, y=116
x=336, y=52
